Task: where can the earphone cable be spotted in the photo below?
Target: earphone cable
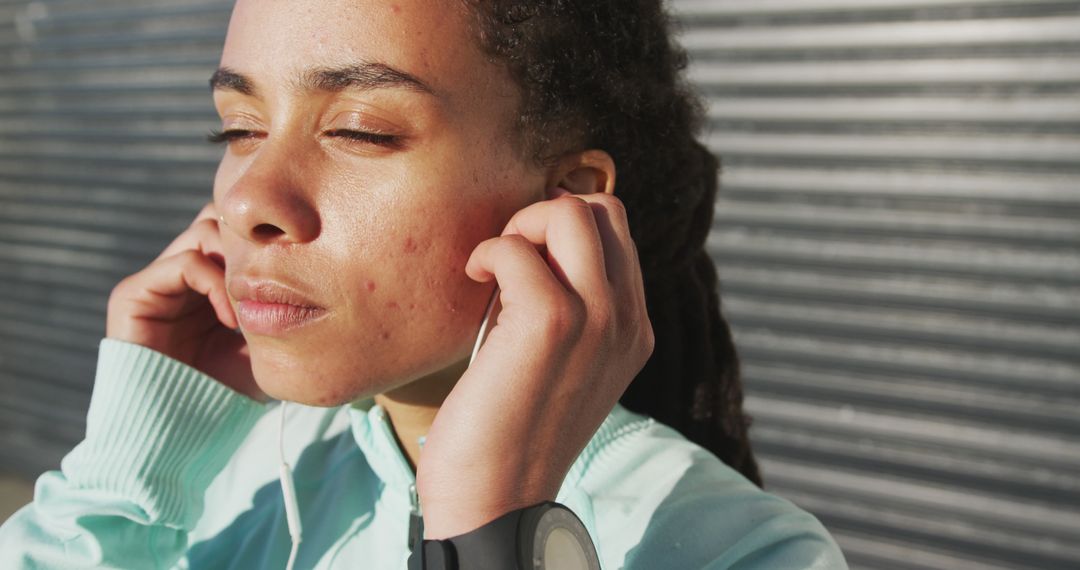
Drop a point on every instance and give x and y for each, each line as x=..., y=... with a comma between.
x=288, y=492
x=288, y=489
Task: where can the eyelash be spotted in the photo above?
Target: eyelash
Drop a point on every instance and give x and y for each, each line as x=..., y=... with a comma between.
x=361, y=136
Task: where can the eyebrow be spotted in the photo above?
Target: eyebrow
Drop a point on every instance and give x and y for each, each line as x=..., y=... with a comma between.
x=363, y=76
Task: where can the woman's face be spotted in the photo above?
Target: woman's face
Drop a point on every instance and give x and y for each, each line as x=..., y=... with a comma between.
x=376, y=230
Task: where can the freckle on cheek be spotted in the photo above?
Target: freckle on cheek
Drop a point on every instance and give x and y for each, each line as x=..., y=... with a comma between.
x=412, y=305
x=385, y=335
x=370, y=285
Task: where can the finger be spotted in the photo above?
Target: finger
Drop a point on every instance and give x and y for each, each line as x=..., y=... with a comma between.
x=186, y=241
x=187, y=271
x=556, y=191
x=620, y=250
x=203, y=235
x=567, y=227
x=618, y=245
x=208, y=212
x=523, y=277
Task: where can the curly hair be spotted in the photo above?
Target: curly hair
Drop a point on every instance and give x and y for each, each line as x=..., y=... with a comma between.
x=606, y=74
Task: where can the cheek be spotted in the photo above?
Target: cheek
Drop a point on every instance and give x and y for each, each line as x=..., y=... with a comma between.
x=395, y=263
x=429, y=308
x=431, y=263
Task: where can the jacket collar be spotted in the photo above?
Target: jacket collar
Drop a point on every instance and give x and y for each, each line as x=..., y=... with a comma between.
x=374, y=435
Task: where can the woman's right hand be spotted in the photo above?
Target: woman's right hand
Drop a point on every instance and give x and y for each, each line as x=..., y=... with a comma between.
x=178, y=305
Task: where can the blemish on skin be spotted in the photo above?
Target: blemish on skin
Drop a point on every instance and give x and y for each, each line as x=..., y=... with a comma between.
x=396, y=8
x=392, y=304
x=332, y=398
x=410, y=245
x=370, y=285
x=451, y=306
x=412, y=305
x=385, y=335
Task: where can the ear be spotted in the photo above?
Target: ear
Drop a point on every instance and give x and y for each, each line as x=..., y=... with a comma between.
x=586, y=172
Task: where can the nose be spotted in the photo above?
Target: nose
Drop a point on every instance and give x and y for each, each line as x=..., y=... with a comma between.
x=270, y=203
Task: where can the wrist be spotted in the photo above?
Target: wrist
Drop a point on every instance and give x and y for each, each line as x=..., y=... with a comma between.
x=454, y=507
x=446, y=515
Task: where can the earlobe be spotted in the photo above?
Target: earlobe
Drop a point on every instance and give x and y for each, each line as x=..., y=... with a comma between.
x=586, y=172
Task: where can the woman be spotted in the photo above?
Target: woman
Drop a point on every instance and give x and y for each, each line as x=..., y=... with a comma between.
x=387, y=164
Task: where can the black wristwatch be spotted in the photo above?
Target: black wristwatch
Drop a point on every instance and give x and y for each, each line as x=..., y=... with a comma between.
x=545, y=536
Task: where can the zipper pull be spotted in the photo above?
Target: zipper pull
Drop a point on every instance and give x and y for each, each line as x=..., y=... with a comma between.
x=416, y=520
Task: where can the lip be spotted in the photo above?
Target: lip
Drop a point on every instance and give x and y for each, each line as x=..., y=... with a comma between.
x=268, y=307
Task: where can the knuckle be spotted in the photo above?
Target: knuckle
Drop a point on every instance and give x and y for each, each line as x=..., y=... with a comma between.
x=611, y=202
x=605, y=321
x=205, y=226
x=628, y=322
x=573, y=205
x=188, y=256
x=648, y=338
x=187, y=260
x=564, y=320
x=208, y=210
x=529, y=210
x=512, y=244
x=128, y=289
x=119, y=291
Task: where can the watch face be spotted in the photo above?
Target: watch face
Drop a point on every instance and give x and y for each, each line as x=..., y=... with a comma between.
x=562, y=543
x=563, y=550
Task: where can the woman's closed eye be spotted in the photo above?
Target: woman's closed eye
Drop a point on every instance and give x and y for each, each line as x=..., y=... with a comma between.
x=228, y=135
x=380, y=139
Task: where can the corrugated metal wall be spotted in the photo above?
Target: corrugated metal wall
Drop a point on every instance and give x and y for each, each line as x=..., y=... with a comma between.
x=899, y=247
x=898, y=242
x=103, y=106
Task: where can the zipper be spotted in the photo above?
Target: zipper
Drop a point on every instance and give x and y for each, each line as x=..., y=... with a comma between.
x=416, y=514
x=416, y=519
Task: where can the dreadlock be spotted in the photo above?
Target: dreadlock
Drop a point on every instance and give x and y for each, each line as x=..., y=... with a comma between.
x=605, y=74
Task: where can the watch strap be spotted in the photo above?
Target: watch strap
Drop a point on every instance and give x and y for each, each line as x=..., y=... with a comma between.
x=434, y=555
x=493, y=546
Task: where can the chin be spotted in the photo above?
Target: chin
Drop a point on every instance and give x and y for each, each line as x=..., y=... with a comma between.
x=309, y=381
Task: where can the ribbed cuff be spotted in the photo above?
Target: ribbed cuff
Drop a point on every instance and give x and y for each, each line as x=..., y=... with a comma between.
x=158, y=432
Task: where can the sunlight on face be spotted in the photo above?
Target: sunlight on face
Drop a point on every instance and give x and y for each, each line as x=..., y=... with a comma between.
x=370, y=154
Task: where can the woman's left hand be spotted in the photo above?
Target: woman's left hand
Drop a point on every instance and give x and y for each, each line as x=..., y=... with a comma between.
x=571, y=335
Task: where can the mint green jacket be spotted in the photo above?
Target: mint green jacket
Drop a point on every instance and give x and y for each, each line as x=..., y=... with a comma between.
x=179, y=471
